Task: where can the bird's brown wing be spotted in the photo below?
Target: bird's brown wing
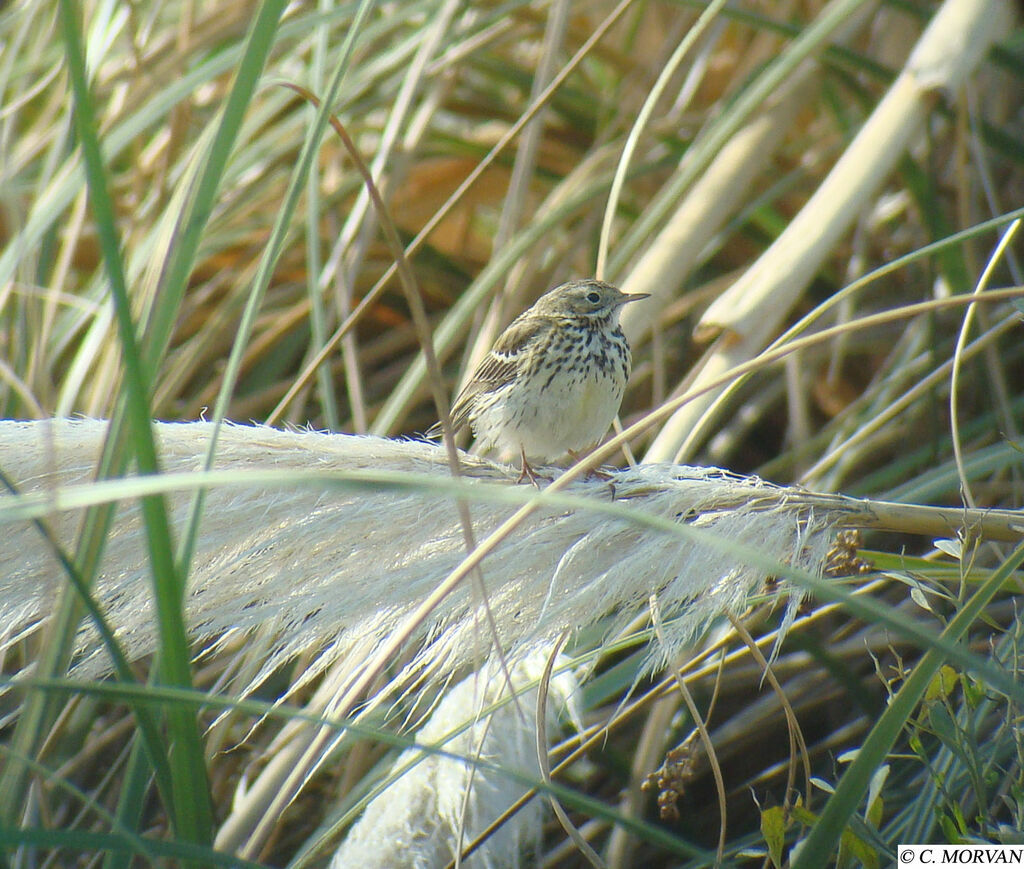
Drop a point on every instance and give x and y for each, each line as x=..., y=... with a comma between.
x=497, y=368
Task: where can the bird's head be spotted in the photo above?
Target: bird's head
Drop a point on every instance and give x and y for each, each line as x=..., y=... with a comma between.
x=589, y=299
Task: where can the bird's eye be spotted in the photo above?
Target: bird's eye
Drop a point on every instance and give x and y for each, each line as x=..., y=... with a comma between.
x=593, y=297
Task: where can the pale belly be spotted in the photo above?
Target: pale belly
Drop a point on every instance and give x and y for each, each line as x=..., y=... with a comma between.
x=572, y=412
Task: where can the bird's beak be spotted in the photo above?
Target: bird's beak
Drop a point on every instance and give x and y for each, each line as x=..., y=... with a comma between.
x=634, y=297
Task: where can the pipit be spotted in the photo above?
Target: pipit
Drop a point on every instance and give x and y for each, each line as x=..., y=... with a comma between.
x=553, y=381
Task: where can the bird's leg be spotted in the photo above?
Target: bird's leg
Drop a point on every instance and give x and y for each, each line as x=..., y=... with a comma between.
x=527, y=473
x=593, y=472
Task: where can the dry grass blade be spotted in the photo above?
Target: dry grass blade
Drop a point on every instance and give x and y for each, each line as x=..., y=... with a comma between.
x=747, y=315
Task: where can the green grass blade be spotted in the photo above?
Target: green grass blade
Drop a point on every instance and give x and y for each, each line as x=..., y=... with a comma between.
x=268, y=262
x=192, y=811
x=824, y=836
x=89, y=843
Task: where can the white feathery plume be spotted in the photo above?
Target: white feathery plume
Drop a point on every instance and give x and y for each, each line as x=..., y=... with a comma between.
x=312, y=566
x=441, y=802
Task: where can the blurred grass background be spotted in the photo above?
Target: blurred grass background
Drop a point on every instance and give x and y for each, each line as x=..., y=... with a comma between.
x=246, y=243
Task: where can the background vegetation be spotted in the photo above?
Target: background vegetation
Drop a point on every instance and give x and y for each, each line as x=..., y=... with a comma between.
x=153, y=165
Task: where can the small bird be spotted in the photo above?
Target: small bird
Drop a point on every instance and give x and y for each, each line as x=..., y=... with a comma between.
x=553, y=381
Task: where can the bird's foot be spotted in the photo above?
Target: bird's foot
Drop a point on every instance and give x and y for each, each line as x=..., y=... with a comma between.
x=592, y=473
x=528, y=473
